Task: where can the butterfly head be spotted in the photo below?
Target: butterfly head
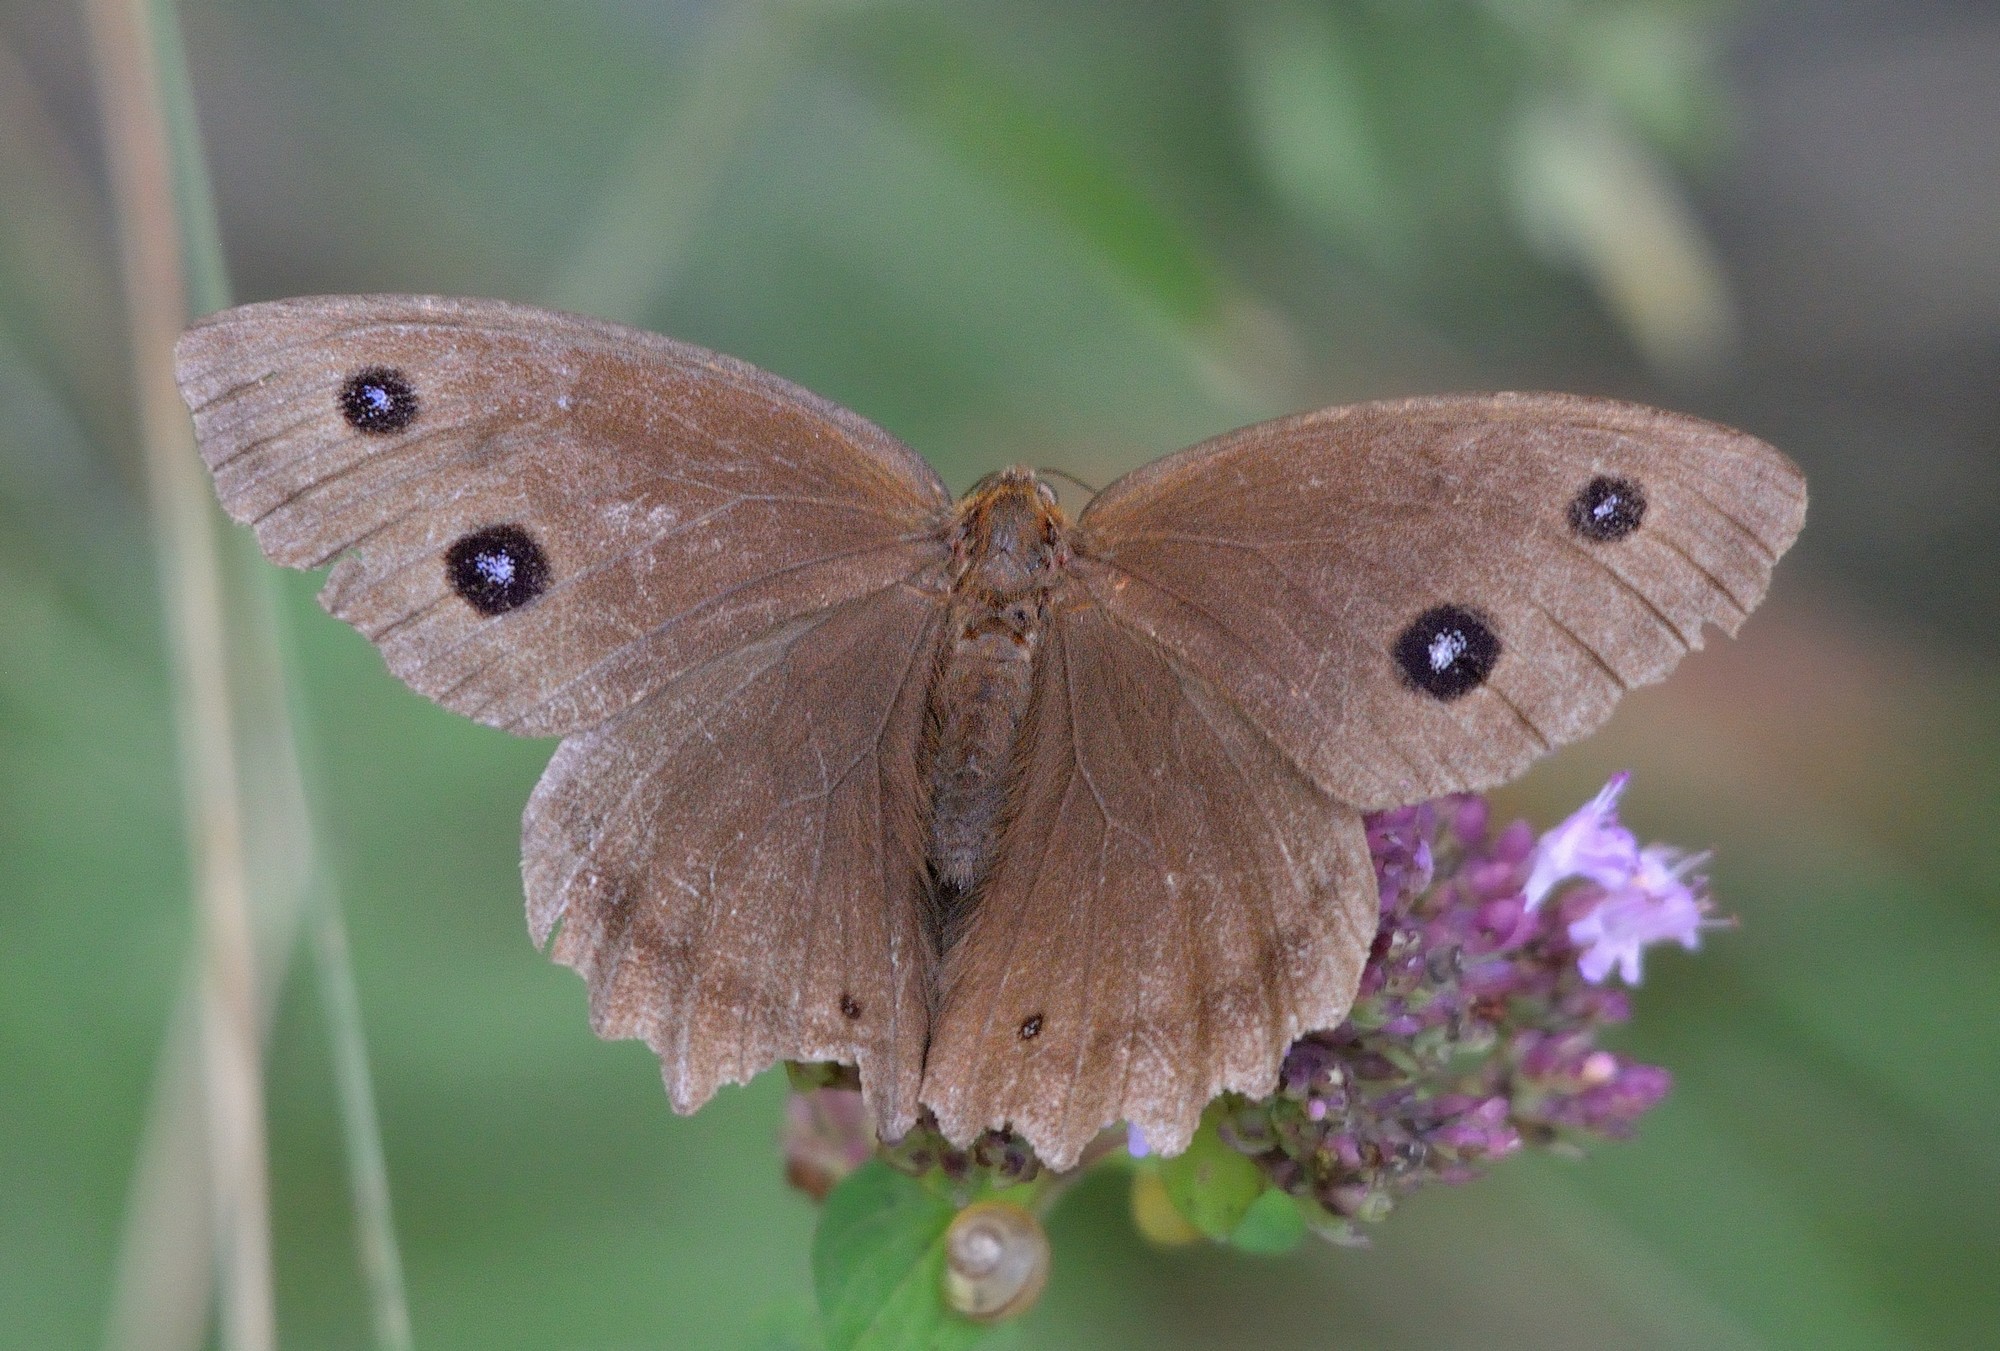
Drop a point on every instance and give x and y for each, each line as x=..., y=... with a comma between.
x=1009, y=535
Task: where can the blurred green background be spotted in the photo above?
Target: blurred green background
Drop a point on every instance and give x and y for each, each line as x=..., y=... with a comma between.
x=1077, y=234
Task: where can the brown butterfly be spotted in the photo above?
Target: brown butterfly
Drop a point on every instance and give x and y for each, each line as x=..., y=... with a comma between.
x=1038, y=822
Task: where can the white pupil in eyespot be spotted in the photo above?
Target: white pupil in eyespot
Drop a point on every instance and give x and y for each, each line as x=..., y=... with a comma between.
x=377, y=397
x=1606, y=507
x=496, y=568
x=1446, y=648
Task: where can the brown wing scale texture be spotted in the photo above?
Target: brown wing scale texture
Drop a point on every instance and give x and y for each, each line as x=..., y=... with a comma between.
x=1173, y=903
x=685, y=503
x=1283, y=562
x=735, y=861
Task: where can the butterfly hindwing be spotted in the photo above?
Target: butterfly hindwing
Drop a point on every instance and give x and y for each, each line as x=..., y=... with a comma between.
x=735, y=861
x=1172, y=904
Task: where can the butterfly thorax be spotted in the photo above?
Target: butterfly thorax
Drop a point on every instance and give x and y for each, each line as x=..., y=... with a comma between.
x=1008, y=553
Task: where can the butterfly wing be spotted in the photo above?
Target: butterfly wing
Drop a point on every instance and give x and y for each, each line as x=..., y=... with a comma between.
x=1172, y=904
x=540, y=518
x=735, y=861
x=1420, y=597
x=699, y=572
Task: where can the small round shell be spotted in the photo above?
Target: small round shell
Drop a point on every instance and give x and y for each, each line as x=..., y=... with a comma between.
x=996, y=1259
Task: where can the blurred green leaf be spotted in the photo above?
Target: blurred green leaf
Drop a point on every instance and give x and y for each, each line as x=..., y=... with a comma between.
x=1309, y=118
x=1381, y=124
x=1273, y=1224
x=1657, y=64
x=1210, y=1183
x=1002, y=130
x=59, y=298
x=878, y=1266
x=787, y=1325
x=1589, y=195
x=1419, y=139
x=633, y=244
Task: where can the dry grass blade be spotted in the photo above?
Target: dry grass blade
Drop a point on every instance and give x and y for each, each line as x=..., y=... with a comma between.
x=251, y=826
x=368, y=1171
x=138, y=153
x=160, y=1288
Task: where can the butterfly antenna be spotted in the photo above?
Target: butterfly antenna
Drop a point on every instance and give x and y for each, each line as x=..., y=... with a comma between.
x=1064, y=473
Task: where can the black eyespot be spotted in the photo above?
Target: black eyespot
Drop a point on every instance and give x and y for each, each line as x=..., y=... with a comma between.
x=497, y=569
x=378, y=400
x=1031, y=1027
x=1447, y=651
x=1607, y=508
x=850, y=1007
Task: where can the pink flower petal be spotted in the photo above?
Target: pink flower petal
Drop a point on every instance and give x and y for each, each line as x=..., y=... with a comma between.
x=1657, y=905
x=1591, y=844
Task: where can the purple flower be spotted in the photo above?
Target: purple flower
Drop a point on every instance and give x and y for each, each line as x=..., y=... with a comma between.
x=1474, y=1034
x=1400, y=841
x=1590, y=844
x=1611, y=1108
x=1656, y=905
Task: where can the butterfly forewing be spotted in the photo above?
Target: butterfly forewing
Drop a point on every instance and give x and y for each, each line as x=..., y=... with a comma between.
x=540, y=518
x=1173, y=903
x=1419, y=597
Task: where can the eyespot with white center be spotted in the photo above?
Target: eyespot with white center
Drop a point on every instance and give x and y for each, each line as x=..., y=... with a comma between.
x=1447, y=652
x=1607, y=509
x=378, y=400
x=497, y=569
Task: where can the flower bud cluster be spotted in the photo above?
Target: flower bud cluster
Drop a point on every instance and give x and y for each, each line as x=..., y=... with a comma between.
x=1475, y=1029
x=995, y=1159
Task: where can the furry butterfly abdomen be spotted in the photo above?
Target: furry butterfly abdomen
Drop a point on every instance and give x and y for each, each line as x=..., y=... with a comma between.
x=1039, y=823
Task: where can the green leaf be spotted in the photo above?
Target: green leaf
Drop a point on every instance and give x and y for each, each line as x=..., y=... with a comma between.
x=1211, y=1184
x=1273, y=1224
x=878, y=1266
